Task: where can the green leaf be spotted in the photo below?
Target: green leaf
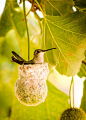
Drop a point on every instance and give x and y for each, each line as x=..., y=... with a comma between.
x=57, y=7
x=54, y=104
x=83, y=101
x=82, y=71
x=38, y=1
x=12, y=19
x=68, y=34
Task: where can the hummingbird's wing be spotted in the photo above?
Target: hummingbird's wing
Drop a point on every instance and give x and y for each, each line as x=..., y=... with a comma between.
x=16, y=60
x=17, y=56
x=28, y=62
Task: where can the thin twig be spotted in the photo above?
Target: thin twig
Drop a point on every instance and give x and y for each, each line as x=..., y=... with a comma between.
x=35, y=5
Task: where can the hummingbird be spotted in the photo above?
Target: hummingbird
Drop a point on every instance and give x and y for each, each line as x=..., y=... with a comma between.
x=37, y=59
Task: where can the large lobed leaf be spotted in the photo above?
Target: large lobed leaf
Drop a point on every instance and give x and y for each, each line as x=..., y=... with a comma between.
x=12, y=19
x=68, y=34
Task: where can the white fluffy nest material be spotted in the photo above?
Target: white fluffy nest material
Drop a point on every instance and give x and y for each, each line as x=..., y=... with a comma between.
x=31, y=88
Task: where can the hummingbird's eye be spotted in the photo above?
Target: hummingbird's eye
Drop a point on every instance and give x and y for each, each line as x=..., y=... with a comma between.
x=37, y=51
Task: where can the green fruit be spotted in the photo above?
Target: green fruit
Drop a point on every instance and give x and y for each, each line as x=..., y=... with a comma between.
x=73, y=114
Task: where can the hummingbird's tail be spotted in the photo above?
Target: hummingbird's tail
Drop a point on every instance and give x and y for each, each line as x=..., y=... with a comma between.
x=16, y=60
x=17, y=56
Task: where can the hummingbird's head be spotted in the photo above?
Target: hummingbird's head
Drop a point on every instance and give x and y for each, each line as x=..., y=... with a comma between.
x=38, y=55
x=39, y=51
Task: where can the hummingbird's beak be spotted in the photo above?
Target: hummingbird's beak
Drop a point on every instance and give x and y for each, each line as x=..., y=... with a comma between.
x=48, y=49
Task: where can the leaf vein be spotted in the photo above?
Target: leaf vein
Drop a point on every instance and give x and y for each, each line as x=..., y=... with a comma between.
x=54, y=7
x=65, y=29
x=59, y=47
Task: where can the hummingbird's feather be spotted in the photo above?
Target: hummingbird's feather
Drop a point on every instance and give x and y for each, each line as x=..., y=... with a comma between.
x=16, y=60
x=17, y=56
x=28, y=62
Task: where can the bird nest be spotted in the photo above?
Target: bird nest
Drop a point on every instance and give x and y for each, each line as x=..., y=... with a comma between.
x=31, y=88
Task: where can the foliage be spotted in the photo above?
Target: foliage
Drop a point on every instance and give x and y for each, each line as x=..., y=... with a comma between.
x=83, y=101
x=12, y=19
x=62, y=28
x=82, y=71
x=57, y=8
x=67, y=32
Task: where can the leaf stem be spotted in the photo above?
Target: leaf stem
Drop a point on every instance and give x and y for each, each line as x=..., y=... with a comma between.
x=26, y=29
x=70, y=93
x=72, y=83
x=73, y=91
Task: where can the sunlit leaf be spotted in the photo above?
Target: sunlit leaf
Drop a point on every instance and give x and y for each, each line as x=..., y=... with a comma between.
x=68, y=35
x=82, y=71
x=55, y=103
x=57, y=7
x=12, y=19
